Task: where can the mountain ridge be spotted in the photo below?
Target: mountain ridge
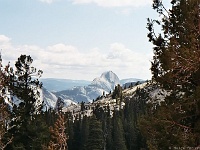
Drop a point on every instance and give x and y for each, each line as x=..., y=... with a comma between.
x=59, y=84
x=103, y=84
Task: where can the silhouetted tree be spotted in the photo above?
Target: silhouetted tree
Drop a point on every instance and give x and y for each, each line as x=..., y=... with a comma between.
x=22, y=86
x=175, y=68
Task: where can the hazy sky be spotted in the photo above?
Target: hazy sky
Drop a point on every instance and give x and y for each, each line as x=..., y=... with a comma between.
x=78, y=39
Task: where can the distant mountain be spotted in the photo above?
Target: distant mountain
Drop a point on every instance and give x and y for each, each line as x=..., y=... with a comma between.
x=55, y=85
x=105, y=83
x=51, y=100
x=79, y=94
x=73, y=94
x=74, y=91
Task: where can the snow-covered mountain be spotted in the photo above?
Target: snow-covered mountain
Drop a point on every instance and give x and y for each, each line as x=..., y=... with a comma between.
x=49, y=98
x=107, y=81
x=79, y=94
x=99, y=86
x=103, y=84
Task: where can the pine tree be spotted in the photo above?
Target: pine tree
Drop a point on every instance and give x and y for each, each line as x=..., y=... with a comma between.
x=77, y=134
x=118, y=133
x=58, y=136
x=82, y=106
x=22, y=86
x=117, y=94
x=59, y=104
x=39, y=132
x=98, y=112
x=108, y=134
x=95, y=138
x=176, y=68
x=70, y=132
x=84, y=133
x=176, y=50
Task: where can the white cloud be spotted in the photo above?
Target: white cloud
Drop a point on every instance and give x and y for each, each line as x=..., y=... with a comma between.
x=115, y=3
x=5, y=44
x=66, y=61
x=4, y=39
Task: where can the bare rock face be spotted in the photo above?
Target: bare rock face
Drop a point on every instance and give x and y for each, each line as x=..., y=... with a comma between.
x=107, y=81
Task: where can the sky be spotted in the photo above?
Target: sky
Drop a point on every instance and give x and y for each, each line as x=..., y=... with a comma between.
x=78, y=39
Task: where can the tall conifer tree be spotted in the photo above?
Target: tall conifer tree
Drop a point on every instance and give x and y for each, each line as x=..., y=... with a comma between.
x=95, y=138
x=58, y=136
x=22, y=86
x=118, y=133
x=176, y=68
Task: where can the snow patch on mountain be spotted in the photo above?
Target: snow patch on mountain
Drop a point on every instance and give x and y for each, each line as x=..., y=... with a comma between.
x=49, y=98
x=79, y=94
